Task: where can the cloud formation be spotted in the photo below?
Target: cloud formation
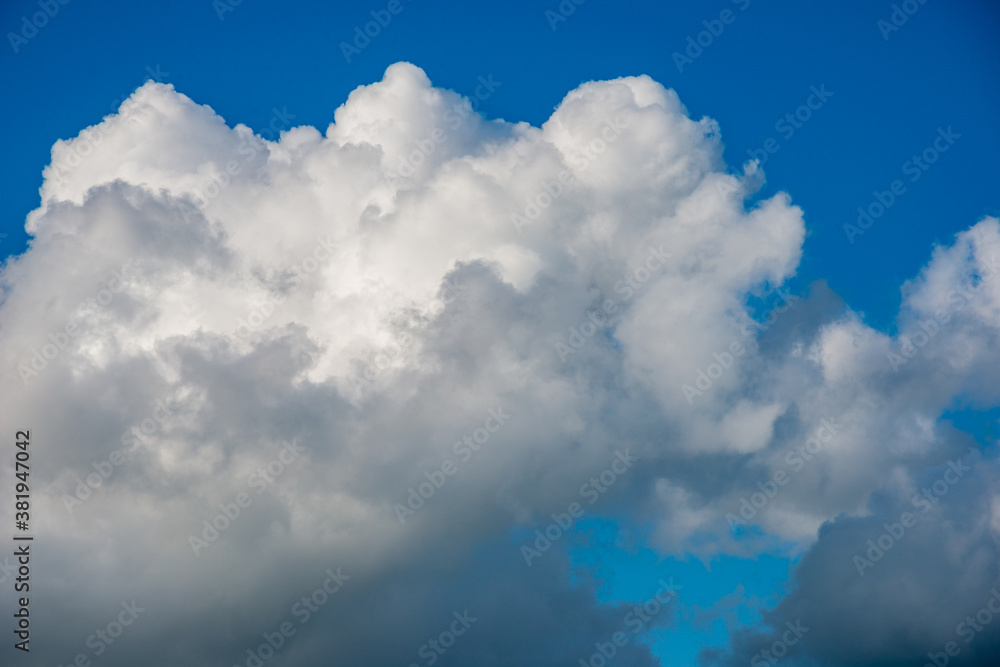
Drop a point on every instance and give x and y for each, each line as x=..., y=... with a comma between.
x=201, y=299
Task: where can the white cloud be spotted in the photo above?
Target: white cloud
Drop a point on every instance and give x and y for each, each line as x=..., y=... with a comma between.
x=329, y=263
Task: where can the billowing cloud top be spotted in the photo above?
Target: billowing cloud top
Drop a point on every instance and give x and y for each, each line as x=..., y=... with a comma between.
x=393, y=350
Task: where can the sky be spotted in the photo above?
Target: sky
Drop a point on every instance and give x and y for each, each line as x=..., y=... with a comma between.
x=725, y=269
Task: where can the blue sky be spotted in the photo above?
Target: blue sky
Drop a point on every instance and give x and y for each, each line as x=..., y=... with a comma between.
x=879, y=97
x=714, y=595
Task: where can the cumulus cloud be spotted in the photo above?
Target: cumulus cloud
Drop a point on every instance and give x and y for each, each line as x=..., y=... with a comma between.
x=199, y=298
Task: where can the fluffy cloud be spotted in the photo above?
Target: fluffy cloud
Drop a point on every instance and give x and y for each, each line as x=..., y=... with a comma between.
x=199, y=296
